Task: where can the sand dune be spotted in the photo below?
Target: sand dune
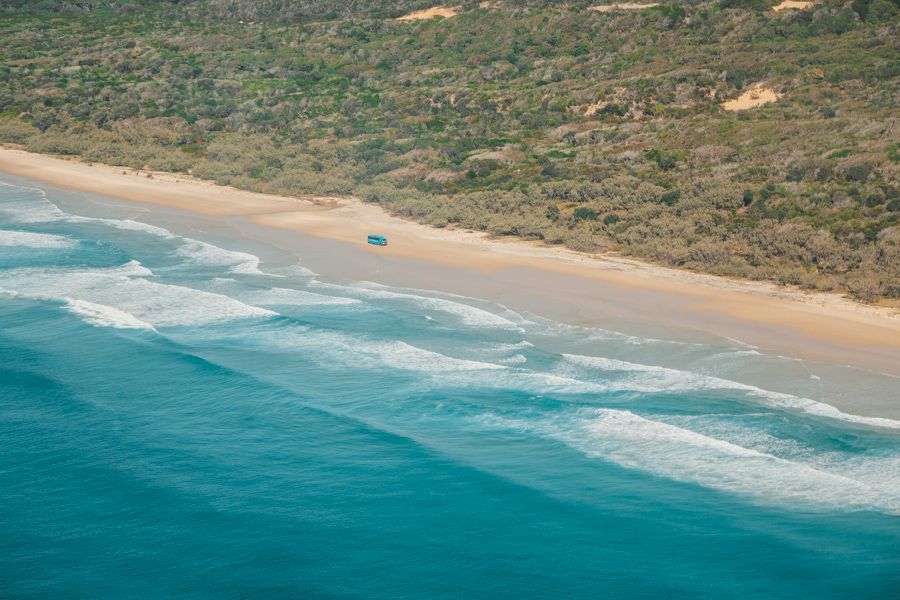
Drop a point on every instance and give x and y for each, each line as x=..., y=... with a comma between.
x=757, y=95
x=792, y=5
x=430, y=13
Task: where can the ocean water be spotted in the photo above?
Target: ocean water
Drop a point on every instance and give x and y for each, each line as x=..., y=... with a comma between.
x=181, y=419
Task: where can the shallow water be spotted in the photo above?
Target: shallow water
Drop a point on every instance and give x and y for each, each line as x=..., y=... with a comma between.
x=183, y=419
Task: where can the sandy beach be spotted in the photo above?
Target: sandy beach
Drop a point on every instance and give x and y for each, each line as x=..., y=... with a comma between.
x=572, y=286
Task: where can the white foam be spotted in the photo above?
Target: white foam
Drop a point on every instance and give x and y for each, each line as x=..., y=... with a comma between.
x=201, y=253
x=293, y=271
x=653, y=379
x=27, y=239
x=127, y=225
x=401, y=355
x=332, y=347
x=684, y=455
x=467, y=314
x=512, y=347
x=525, y=380
x=30, y=205
x=515, y=359
x=125, y=289
x=742, y=353
x=290, y=297
x=672, y=452
x=35, y=207
x=596, y=334
x=877, y=470
x=106, y=316
x=747, y=430
x=504, y=353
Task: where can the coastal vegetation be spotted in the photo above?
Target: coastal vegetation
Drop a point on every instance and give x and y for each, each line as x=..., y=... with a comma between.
x=601, y=130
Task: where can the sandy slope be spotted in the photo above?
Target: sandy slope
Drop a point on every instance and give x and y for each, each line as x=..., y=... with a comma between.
x=756, y=95
x=430, y=13
x=824, y=326
x=792, y=5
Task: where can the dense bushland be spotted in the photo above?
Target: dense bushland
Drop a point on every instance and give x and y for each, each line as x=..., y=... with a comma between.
x=600, y=131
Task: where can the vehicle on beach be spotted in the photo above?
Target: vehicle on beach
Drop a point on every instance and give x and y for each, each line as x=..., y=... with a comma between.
x=377, y=240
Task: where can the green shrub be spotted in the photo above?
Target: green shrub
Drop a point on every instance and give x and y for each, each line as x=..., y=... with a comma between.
x=756, y=5
x=671, y=11
x=861, y=7
x=664, y=160
x=584, y=213
x=893, y=153
x=858, y=173
x=615, y=109
x=873, y=200
x=670, y=198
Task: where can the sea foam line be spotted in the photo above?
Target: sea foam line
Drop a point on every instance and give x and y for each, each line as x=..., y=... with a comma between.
x=106, y=316
x=668, y=451
x=28, y=239
x=126, y=291
x=665, y=379
x=467, y=314
x=333, y=347
x=196, y=251
x=202, y=253
x=277, y=296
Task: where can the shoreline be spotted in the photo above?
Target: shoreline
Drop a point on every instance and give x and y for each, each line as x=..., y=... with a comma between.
x=779, y=320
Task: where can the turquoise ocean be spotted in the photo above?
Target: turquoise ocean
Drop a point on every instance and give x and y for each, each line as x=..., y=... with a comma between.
x=181, y=418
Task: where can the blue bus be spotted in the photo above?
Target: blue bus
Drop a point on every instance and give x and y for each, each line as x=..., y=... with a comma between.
x=378, y=240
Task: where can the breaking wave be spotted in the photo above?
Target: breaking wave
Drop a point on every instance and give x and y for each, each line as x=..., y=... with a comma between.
x=126, y=290
x=654, y=379
x=636, y=442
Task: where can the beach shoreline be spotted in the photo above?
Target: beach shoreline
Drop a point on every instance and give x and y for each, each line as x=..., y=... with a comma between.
x=574, y=287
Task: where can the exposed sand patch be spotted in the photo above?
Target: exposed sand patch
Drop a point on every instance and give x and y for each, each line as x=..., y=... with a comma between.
x=605, y=8
x=792, y=5
x=431, y=13
x=593, y=109
x=755, y=96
